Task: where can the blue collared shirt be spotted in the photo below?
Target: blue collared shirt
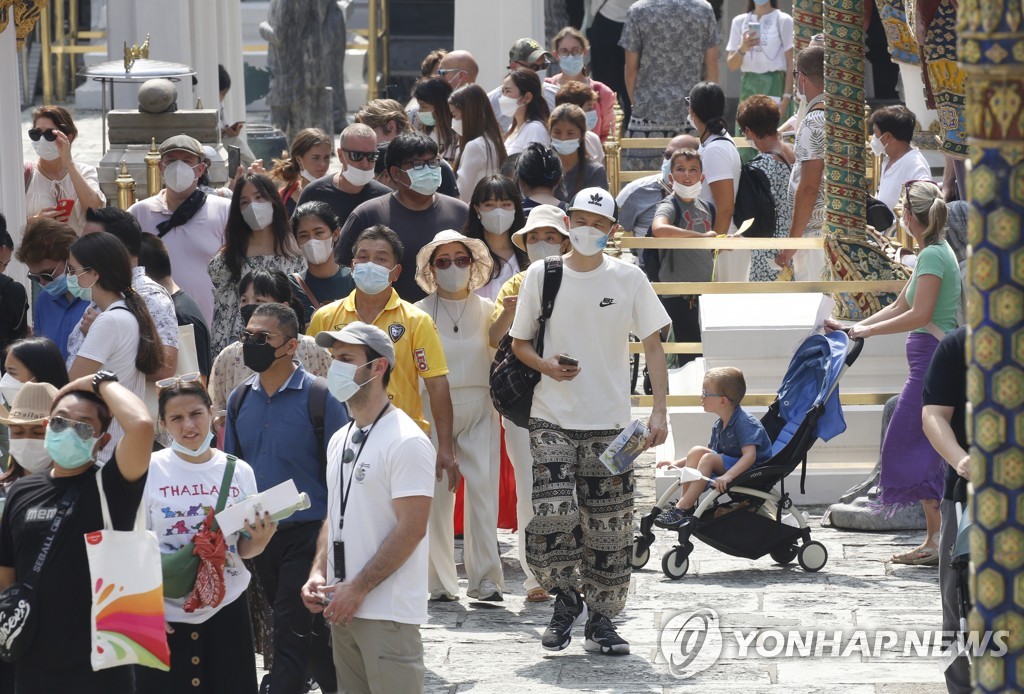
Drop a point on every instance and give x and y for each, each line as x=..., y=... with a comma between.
x=55, y=317
x=743, y=429
x=273, y=433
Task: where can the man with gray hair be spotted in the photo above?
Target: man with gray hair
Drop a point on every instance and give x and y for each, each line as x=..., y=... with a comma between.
x=354, y=184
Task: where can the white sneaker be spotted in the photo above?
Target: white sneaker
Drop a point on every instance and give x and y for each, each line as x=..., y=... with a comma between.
x=488, y=592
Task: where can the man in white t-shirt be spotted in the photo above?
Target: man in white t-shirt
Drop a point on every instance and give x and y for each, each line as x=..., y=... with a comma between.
x=369, y=577
x=190, y=223
x=580, y=405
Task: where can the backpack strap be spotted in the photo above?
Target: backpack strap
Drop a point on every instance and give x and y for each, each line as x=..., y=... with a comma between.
x=317, y=406
x=306, y=290
x=552, y=281
x=234, y=407
x=225, y=483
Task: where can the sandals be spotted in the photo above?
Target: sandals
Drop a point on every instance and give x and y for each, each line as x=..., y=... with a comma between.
x=537, y=595
x=921, y=556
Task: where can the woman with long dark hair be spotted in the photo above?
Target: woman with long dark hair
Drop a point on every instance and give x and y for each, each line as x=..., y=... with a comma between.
x=539, y=174
x=568, y=128
x=32, y=359
x=495, y=213
x=482, y=149
x=257, y=237
x=435, y=118
x=316, y=230
x=761, y=48
x=308, y=159
x=123, y=338
x=522, y=100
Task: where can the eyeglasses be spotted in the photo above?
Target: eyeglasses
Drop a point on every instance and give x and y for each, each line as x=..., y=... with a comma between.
x=76, y=273
x=563, y=52
x=419, y=165
x=44, y=278
x=50, y=134
x=460, y=261
x=705, y=394
x=84, y=431
x=173, y=381
x=359, y=156
x=248, y=338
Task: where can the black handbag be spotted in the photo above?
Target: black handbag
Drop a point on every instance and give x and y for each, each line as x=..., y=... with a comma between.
x=512, y=381
x=18, y=603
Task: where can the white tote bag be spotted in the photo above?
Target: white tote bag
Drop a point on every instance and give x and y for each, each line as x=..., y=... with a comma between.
x=128, y=626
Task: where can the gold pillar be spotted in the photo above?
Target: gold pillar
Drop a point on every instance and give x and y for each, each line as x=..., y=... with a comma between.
x=152, y=169
x=125, y=187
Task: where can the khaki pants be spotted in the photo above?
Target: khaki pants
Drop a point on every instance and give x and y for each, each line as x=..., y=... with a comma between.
x=373, y=656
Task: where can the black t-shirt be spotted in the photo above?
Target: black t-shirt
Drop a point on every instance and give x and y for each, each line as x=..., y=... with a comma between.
x=64, y=595
x=13, y=311
x=342, y=203
x=945, y=384
x=189, y=313
x=325, y=289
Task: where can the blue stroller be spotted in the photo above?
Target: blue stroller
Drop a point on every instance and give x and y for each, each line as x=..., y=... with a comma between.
x=752, y=519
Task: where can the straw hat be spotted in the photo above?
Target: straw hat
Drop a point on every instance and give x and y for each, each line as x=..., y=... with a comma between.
x=542, y=217
x=480, y=270
x=31, y=405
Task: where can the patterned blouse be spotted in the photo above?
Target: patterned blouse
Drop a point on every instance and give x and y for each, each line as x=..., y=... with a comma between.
x=229, y=368
x=762, y=263
x=227, y=321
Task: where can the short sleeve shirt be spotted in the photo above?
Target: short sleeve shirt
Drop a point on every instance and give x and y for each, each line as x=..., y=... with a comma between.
x=418, y=350
x=810, y=146
x=769, y=54
x=679, y=265
x=742, y=430
x=945, y=384
x=939, y=260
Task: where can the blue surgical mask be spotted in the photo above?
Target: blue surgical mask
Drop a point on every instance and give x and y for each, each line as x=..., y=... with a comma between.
x=666, y=170
x=591, y=117
x=68, y=449
x=371, y=278
x=427, y=118
x=565, y=147
x=58, y=286
x=587, y=240
x=183, y=450
x=76, y=289
x=761, y=2
x=425, y=181
x=571, y=64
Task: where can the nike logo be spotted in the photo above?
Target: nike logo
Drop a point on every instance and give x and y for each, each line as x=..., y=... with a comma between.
x=606, y=302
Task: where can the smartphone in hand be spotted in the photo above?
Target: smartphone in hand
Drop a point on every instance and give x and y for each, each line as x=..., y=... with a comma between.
x=64, y=207
x=566, y=360
x=234, y=159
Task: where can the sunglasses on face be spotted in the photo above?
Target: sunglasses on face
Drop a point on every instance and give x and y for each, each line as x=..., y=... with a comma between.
x=248, y=338
x=49, y=134
x=460, y=261
x=359, y=156
x=444, y=72
x=165, y=383
x=46, y=277
x=84, y=431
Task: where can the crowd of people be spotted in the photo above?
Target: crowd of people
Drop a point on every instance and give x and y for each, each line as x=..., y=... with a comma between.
x=209, y=344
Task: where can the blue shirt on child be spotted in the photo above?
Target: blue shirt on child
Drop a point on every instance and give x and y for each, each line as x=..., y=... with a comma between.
x=742, y=430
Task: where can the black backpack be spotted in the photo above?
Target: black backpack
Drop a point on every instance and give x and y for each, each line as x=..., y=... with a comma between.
x=754, y=200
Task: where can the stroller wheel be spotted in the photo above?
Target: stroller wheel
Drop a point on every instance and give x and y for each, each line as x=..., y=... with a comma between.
x=812, y=556
x=675, y=563
x=784, y=555
x=641, y=554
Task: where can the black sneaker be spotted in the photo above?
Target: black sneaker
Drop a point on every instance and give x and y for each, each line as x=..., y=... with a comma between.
x=570, y=610
x=601, y=637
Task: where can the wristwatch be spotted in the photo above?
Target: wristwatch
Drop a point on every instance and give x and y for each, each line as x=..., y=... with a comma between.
x=100, y=377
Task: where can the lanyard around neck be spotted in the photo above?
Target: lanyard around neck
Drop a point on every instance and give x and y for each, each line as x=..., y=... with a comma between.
x=346, y=491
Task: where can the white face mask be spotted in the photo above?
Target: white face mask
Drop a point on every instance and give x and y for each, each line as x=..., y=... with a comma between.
x=452, y=278
x=457, y=126
x=31, y=454
x=689, y=121
x=508, y=106
x=877, y=148
x=538, y=250
x=587, y=240
x=179, y=176
x=308, y=176
x=184, y=450
x=357, y=177
x=565, y=147
x=317, y=251
x=9, y=387
x=258, y=215
x=687, y=192
x=46, y=150
x=498, y=220
x=341, y=379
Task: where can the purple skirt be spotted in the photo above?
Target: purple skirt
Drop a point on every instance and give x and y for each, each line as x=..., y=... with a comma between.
x=911, y=469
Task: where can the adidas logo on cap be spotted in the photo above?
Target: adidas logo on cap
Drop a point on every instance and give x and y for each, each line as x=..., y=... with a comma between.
x=595, y=200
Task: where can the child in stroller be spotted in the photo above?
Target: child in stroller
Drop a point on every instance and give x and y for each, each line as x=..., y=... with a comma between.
x=738, y=443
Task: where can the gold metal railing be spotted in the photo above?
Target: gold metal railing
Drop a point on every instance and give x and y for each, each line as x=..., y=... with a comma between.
x=63, y=44
x=377, y=69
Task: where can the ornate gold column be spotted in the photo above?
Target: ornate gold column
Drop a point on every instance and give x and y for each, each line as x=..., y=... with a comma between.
x=991, y=50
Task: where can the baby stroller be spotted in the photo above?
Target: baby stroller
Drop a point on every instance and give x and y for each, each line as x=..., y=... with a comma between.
x=752, y=519
x=960, y=557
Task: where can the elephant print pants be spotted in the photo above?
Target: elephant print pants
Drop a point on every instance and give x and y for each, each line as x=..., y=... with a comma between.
x=581, y=534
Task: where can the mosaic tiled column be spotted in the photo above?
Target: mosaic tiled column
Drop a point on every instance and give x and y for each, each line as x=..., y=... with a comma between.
x=906, y=53
x=945, y=79
x=845, y=210
x=807, y=22
x=991, y=46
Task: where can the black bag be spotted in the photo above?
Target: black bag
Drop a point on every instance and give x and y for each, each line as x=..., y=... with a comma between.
x=512, y=381
x=754, y=200
x=879, y=215
x=18, y=603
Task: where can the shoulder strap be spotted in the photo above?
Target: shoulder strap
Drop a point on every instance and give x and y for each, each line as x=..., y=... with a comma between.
x=678, y=208
x=317, y=406
x=306, y=290
x=722, y=137
x=234, y=407
x=65, y=507
x=225, y=484
x=552, y=282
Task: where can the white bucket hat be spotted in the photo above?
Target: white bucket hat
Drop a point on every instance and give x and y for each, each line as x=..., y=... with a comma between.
x=480, y=270
x=542, y=217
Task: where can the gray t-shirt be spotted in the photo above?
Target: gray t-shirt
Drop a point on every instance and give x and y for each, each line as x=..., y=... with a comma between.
x=586, y=174
x=685, y=266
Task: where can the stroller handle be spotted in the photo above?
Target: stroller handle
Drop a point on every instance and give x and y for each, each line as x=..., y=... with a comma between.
x=856, y=344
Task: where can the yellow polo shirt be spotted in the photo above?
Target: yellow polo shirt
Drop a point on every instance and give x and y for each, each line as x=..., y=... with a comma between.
x=418, y=350
x=510, y=288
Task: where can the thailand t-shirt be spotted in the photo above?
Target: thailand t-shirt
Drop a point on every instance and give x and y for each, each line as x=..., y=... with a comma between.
x=178, y=496
x=938, y=259
x=593, y=315
x=395, y=461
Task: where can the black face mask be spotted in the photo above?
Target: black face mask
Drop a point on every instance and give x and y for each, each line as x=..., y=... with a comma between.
x=259, y=358
x=247, y=312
